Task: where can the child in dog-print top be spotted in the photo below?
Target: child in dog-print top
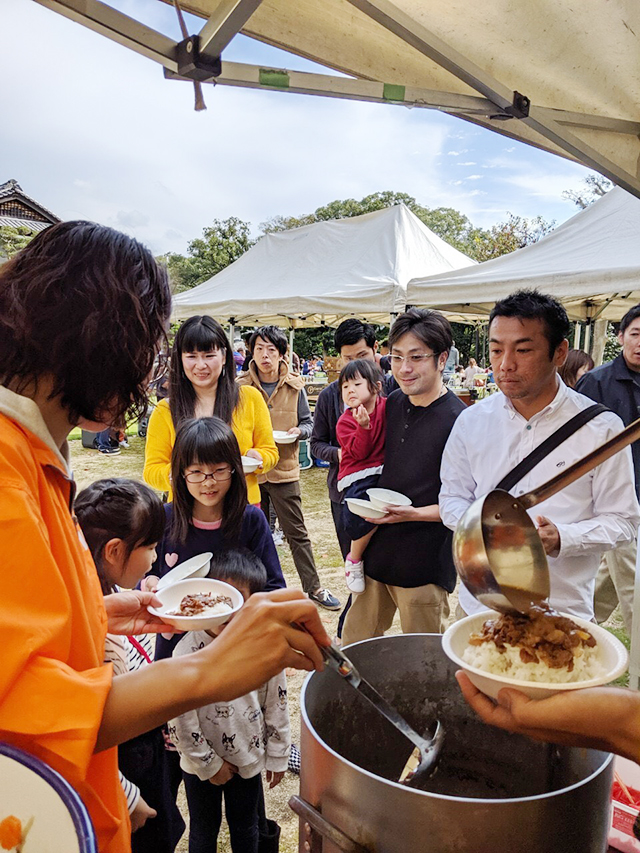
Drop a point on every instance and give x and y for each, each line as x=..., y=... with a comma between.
x=224, y=747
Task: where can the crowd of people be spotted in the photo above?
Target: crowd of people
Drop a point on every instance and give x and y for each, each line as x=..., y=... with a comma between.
x=83, y=314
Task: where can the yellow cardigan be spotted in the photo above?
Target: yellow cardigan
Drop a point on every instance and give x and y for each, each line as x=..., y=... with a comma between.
x=251, y=425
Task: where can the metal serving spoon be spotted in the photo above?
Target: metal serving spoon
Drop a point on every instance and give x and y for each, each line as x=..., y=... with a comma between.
x=424, y=757
x=496, y=547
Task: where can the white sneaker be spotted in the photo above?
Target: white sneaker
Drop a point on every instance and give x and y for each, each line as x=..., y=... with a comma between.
x=278, y=537
x=354, y=576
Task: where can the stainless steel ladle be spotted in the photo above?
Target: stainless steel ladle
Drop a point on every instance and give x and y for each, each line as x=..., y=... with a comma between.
x=424, y=757
x=496, y=547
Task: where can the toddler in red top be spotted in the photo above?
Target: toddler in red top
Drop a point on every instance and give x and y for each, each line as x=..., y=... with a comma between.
x=361, y=433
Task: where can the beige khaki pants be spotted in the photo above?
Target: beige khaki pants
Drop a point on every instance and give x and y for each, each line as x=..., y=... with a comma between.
x=615, y=584
x=423, y=610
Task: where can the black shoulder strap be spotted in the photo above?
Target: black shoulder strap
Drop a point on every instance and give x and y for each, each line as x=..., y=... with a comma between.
x=548, y=445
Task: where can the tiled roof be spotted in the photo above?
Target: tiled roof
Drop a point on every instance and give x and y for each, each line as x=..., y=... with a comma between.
x=31, y=224
x=11, y=190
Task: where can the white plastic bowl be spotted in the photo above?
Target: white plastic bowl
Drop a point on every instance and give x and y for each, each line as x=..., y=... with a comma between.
x=365, y=509
x=611, y=653
x=249, y=464
x=196, y=567
x=382, y=498
x=171, y=596
x=282, y=437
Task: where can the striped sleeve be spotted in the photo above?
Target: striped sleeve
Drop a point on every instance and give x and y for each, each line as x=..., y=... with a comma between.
x=131, y=792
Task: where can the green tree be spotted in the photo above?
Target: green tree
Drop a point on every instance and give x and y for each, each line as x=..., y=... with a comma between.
x=221, y=244
x=595, y=187
x=515, y=232
x=14, y=239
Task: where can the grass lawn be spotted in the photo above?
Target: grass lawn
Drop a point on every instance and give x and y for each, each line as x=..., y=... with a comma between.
x=89, y=465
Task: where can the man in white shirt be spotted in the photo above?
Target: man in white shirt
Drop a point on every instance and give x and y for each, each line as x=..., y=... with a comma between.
x=528, y=343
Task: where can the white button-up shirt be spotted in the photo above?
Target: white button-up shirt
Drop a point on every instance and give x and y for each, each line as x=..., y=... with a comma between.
x=595, y=514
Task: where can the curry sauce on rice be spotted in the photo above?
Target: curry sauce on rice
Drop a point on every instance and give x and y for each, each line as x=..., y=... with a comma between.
x=541, y=646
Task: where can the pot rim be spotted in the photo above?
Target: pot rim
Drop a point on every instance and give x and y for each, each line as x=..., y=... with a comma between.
x=415, y=791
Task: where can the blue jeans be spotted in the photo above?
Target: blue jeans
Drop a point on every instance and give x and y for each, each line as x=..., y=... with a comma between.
x=104, y=440
x=241, y=801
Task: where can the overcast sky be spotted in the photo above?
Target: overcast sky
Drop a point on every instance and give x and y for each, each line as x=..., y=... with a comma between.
x=92, y=130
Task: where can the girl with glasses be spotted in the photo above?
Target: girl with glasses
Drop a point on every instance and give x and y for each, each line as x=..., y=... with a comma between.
x=209, y=511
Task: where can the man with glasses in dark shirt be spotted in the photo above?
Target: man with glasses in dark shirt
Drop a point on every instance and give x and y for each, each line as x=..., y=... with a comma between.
x=408, y=564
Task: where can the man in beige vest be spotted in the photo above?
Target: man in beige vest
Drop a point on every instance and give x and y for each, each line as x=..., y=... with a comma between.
x=289, y=409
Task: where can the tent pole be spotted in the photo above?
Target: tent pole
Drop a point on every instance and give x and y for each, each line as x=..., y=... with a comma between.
x=576, y=336
x=634, y=661
x=231, y=329
x=587, y=336
x=291, y=334
x=392, y=318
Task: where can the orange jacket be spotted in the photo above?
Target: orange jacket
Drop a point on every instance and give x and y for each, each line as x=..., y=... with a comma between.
x=53, y=682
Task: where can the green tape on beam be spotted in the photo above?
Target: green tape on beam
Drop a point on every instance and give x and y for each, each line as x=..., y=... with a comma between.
x=270, y=77
x=391, y=92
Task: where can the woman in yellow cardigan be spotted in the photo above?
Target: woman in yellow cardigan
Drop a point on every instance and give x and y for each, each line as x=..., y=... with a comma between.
x=202, y=383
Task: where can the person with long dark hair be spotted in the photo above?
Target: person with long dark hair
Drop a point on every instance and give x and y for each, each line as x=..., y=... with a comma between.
x=209, y=511
x=83, y=312
x=202, y=383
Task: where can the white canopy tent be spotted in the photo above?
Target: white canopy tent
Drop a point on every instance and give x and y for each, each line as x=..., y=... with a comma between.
x=591, y=263
x=322, y=273
x=559, y=75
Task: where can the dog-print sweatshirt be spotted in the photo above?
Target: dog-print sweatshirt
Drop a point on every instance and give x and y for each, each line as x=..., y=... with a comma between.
x=251, y=732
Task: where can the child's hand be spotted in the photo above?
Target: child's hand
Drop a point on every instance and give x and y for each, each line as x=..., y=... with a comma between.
x=150, y=583
x=361, y=415
x=141, y=814
x=226, y=772
x=274, y=778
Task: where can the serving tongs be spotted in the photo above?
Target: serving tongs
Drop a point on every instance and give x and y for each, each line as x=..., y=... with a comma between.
x=496, y=547
x=424, y=757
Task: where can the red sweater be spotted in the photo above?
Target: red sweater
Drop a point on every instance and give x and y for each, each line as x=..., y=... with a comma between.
x=362, y=449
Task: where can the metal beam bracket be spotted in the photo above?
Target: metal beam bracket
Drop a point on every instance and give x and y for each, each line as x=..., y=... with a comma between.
x=518, y=109
x=193, y=64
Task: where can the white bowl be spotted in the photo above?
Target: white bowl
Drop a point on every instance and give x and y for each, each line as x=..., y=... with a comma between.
x=196, y=567
x=171, y=596
x=382, y=498
x=611, y=653
x=249, y=464
x=282, y=437
x=365, y=509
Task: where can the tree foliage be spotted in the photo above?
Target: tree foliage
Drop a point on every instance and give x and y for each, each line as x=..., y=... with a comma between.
x=595, y=187
x=14, y=239
x=446, y=222
x=221, y=244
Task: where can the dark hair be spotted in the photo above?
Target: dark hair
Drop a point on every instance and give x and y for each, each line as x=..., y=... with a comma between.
x=365, y=369
x=576, y=358
x=206, y=441
x=201, y=334
x=351, y=331
x=532, y=305
x=271, y=334
x=116, y=508
x=631, y=315
x=88, y=306
x=240, y=567
x=430, y=327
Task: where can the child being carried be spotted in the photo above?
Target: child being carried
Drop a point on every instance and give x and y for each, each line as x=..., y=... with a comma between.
x=361, y=431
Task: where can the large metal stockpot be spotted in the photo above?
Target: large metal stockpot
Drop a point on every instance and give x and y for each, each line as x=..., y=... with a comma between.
x=494, y=792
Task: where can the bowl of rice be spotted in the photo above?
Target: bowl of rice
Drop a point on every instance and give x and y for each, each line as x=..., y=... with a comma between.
x=494, y=664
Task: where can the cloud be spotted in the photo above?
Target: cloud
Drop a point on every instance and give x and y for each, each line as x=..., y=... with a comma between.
x=131, y=218
x=82, y=185
x=474, y=177
x=467, y=163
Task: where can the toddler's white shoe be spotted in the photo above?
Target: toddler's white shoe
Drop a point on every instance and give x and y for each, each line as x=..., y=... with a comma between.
x=354, y=576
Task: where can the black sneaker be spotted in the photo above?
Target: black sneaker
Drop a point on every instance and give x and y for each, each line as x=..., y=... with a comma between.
x=325, y=599
x=109, y=451
x=295, y=763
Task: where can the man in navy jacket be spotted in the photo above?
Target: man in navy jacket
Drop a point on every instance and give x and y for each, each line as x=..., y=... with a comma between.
x=616, y=384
